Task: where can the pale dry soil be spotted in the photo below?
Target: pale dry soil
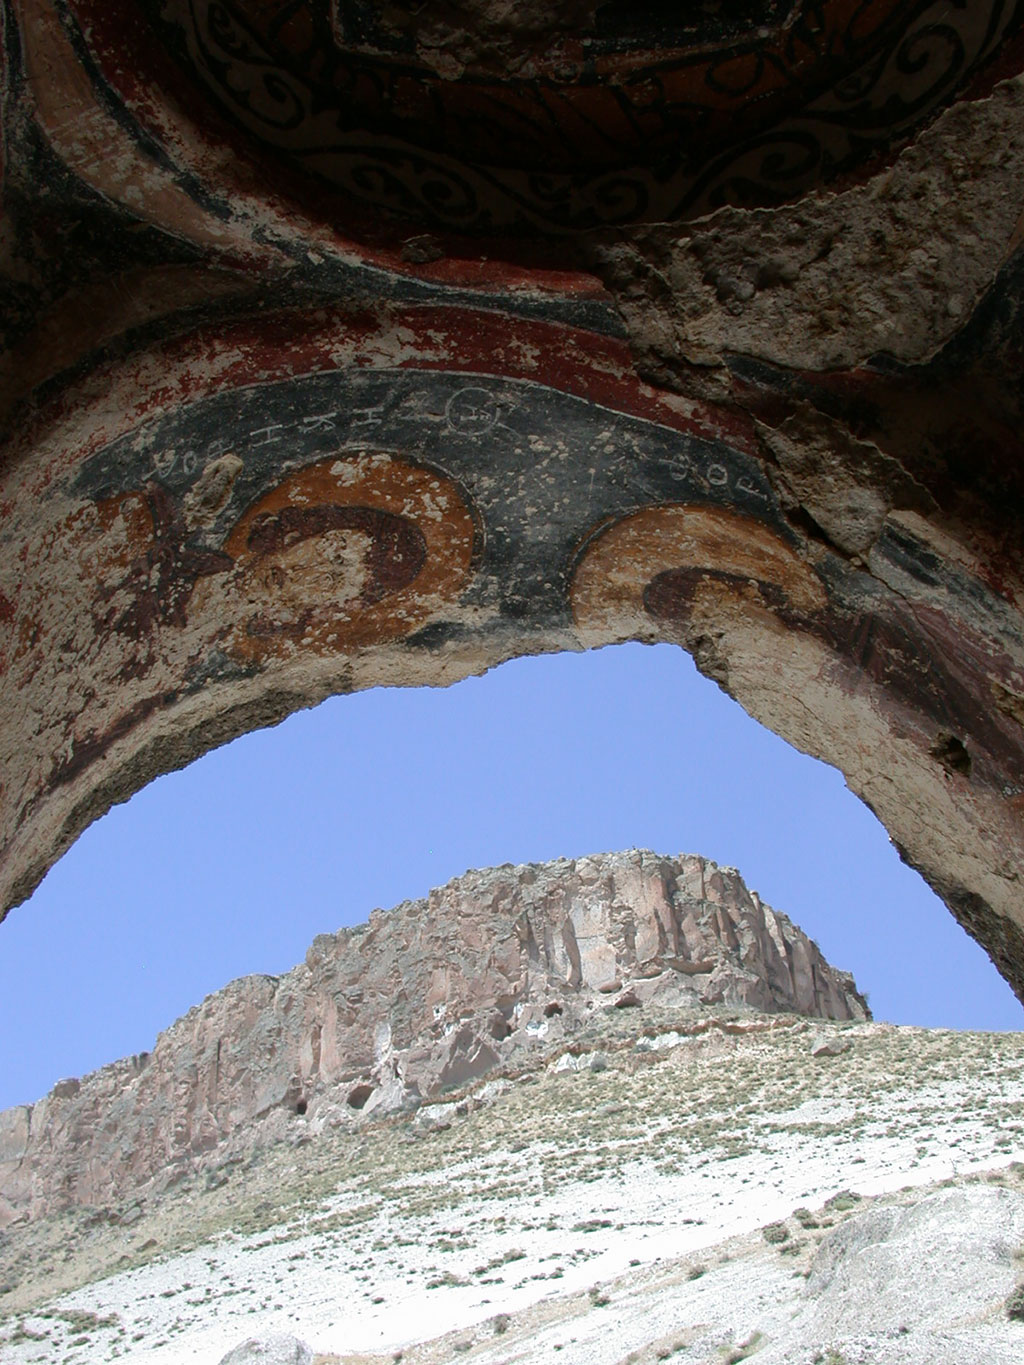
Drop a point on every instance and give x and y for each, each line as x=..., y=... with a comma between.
x=604, y=1215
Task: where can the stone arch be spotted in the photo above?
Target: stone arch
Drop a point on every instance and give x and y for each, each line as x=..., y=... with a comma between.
x=286, y=416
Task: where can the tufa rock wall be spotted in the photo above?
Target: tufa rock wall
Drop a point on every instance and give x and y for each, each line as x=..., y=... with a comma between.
x=346, y=345
x=485, y=972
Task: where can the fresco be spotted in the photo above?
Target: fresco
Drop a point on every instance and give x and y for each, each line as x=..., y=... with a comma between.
x=510, y=445
x=608, y=113
x=267, y=525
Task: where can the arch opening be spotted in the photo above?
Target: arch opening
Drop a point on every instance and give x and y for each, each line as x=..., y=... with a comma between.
x=201, y=592
x=373, y=798
x=589, y=1086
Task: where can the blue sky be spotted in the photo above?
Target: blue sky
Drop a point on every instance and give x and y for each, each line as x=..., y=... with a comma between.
x=234, y=864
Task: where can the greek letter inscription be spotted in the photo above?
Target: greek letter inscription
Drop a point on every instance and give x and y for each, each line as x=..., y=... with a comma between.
x=472, y=412
x=320, y=421
x=683, y=468
x=267, y=433
x=168, y=462
x=745, y=486
x=367, y=417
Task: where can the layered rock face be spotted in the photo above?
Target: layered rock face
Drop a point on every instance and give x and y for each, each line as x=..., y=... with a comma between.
x=493, y=970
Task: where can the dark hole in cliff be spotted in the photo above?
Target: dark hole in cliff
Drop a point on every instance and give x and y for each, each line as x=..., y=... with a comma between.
x=952, y=754
x=301, y=1107
x=358, y=1096
x=551, y=1010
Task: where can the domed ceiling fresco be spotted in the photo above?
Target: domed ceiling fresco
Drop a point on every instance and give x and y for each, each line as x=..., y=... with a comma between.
x=485, y=116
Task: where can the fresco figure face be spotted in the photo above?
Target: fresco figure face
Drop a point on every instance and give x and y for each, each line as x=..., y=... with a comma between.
x=342, y=554
x=331, y=566
x=315, y=572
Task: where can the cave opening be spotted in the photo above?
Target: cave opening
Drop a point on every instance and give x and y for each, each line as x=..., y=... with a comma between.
x=375, y=798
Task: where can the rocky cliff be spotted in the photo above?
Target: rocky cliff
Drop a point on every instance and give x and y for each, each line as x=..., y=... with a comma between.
x=484, y=973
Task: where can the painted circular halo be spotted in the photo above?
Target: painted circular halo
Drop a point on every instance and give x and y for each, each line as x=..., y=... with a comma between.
x=649, y=574
x=345, y=553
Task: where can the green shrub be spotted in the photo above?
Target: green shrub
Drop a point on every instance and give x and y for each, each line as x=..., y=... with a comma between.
x=846, y=1200
x=22, y=1333
x=1015, y=1304
x=775, y=1233
x=744, y=1349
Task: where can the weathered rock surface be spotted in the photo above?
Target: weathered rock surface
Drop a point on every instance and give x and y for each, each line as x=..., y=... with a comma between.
x=272, y=1350
x=483, y=973
x=905, y=1267
x=717, y=1195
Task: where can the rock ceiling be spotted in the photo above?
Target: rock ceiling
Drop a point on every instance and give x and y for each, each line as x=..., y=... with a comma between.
x=350, y=343
x=479, y=116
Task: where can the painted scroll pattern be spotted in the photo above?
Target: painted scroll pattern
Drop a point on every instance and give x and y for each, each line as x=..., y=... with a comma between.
x=770, y=122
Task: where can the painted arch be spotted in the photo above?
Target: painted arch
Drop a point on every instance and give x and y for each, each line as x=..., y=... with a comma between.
x=340, y=348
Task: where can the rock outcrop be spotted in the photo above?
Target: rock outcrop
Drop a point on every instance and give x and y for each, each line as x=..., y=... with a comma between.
x=273, y=1350
x=482, y=974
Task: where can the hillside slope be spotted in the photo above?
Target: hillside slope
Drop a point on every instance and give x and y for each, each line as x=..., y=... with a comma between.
x=606, y=1203
x=614, y=1109
x=423, y=998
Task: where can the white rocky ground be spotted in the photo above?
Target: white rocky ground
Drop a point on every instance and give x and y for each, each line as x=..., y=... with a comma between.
x=609, y=1208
